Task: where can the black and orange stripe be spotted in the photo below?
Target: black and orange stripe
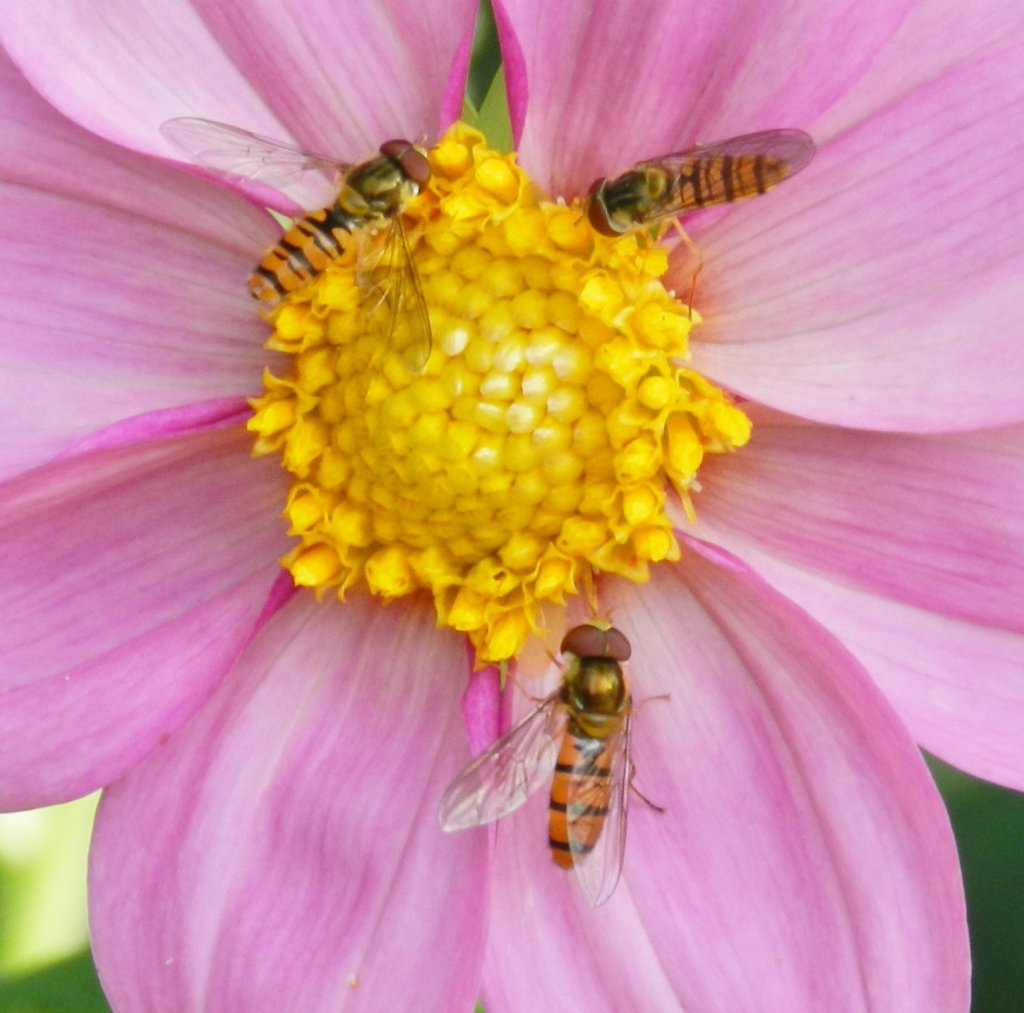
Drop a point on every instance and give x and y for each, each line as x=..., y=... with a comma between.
x=580, y=794
x=723, y=179
x=302, y=253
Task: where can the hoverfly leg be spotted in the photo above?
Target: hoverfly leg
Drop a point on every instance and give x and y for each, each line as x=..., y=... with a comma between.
x=632, y=787
x=697, y=255
x=518, y=685
x=590, y=590
x=647, y=699
x=636, y=791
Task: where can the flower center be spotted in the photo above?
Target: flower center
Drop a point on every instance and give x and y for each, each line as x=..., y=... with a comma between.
x=536, y=443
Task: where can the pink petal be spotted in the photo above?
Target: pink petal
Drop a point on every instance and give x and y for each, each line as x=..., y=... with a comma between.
x=373, y=71
x=932, y=37
x=909, y=548
x=878, y=289
x=43, y=151
x=339, y=78
x=281, y=852
x=956, y=685
x=143, y=317
x=183, y=421
x=804, y=856
x=481, y=708
x=603, y=86
x=122, y=73
x=132, y=578
x=125, y=283
x=936, y=522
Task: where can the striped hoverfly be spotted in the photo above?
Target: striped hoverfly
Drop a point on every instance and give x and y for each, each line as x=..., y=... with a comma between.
x=706, y=175
x=582, y=732
x=369, y=198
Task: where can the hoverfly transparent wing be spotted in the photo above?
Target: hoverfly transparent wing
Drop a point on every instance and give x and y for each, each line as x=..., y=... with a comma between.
x=794, y=147
x=507, y=772
x=723, y=172
x=399, y=314
x=598, y=864
x=241, y=155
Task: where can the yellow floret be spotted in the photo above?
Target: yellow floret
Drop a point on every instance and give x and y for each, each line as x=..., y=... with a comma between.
x=534, y=446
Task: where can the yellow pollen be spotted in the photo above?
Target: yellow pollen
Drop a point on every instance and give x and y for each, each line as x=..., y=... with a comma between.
x=539, y=441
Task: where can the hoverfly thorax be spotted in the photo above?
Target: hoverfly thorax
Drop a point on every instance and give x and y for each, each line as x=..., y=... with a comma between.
x=595, y=694
x=616, y=206
x=382, y=186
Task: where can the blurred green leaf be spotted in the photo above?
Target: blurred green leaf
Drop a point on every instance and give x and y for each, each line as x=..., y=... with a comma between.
x=485, y=58
x=42, y=885
x=486, y=105
x=493, y=118
x=70, y=986
x=988, y=822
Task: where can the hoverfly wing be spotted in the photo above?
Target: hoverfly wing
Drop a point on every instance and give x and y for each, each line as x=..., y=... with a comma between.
x=795, y=148
x=400, y=313
x=722, y=172
x=599, y=866
x=244, y=156
x=507, y=772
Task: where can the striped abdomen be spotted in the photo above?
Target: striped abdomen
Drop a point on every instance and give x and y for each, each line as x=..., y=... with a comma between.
x=302, y=253
x=722, y=179
x=580, y=794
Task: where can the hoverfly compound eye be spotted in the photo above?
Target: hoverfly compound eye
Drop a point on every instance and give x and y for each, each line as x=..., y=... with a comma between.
x=411, y=159
x=590, y=641
x=597, y=212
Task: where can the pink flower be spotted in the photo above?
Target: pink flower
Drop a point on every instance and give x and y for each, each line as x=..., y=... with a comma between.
x=851, y=587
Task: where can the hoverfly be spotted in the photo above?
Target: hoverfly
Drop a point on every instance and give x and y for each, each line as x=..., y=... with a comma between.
x=368, y=201
x=722, y=172
x=582, y=732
